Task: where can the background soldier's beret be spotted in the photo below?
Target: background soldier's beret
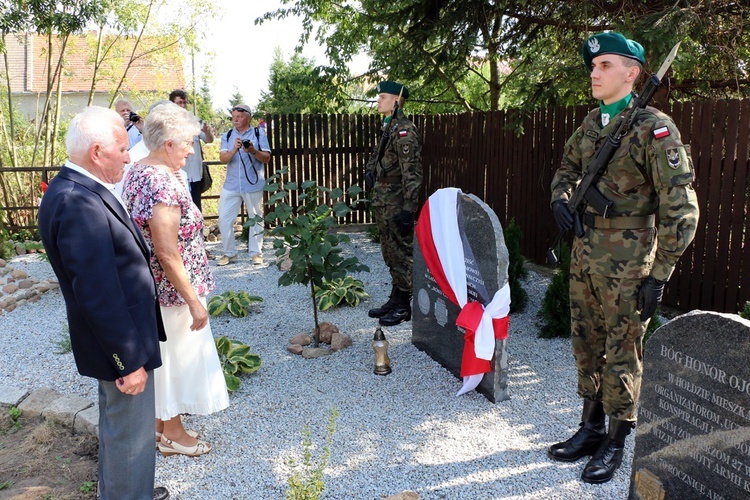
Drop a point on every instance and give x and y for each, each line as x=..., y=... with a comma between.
x=394, y=88
x=611, y=43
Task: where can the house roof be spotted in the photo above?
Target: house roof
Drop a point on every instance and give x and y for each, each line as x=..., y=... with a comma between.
x=157, y=65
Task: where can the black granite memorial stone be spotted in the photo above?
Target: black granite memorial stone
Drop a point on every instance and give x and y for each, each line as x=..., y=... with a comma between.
x=434, y=329
x=693, y=432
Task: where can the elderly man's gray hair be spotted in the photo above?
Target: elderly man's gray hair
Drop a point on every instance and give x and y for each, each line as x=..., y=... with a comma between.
x=93, y=125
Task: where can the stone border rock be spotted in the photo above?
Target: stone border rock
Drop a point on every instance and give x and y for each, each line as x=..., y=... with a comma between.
x=19, y=289
x=73, y=412
x=329, y=334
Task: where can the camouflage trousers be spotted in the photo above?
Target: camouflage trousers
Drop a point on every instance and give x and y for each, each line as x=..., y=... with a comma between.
x=397, y=250
x=607, y=338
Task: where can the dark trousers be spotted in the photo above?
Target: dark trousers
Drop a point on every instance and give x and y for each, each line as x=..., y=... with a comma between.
x=397, y=248
x=195, y=193
x=127, y=460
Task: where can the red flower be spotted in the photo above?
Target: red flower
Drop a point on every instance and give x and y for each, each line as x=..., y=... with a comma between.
x=43, y=185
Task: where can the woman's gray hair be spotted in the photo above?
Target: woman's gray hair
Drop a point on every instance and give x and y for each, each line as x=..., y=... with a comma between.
x=167, y=122
x=90, y=127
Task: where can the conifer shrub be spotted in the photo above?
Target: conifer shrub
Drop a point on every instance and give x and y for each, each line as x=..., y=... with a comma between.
x=745, y=313
x=653, y=325
x=555, y=310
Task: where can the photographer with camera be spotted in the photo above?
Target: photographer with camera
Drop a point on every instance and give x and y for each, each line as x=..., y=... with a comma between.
x=133, y=123
x=245, y=151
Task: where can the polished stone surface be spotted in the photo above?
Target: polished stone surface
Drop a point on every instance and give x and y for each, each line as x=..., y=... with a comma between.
x=434, y=329
x=693, y=433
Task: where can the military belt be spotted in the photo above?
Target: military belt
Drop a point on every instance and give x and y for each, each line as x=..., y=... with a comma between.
x=390, y=180
x=622, y=222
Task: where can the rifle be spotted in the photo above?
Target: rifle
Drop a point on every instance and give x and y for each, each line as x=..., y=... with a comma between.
x=383, y=143
x=586, y=193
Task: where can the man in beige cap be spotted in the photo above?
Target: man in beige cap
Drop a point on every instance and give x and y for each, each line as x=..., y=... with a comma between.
x=245, y=151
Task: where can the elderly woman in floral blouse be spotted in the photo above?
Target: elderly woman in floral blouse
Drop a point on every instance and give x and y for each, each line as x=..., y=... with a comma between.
x=190, y=379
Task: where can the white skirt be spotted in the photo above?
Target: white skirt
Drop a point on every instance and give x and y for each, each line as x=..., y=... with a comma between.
x=190, y=379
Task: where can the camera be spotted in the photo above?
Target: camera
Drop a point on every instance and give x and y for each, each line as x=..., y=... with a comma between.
x=134, y=118
x=246, y=143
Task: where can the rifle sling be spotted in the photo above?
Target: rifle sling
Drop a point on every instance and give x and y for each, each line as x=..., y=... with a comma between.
x=619, y=222
x=390, y=180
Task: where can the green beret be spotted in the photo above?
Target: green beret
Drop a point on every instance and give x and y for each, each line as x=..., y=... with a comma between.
x=394, y=88
x=611, y=43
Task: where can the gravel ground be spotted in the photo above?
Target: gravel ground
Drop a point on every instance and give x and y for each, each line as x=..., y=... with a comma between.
x=406, y=431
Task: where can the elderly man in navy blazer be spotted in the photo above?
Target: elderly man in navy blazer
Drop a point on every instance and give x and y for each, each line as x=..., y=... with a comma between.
x=102, y=263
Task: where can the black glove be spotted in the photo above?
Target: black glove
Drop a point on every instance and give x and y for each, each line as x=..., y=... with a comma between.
x=369, y=180
x=649, y=296
x=405, y=222
x=563, y=217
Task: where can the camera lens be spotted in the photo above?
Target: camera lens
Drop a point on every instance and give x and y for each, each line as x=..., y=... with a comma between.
x=134, y=117
x=246, y=144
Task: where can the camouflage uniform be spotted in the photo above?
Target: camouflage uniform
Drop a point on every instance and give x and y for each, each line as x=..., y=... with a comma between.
x=650, y=174
x=399, y=179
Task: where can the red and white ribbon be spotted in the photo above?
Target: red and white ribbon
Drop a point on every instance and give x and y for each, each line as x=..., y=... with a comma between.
x=440, y=241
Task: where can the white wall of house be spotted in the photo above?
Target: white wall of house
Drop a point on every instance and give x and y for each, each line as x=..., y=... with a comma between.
x=30, y=103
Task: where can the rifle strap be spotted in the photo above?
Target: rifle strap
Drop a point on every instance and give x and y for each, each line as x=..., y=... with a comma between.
x=622, y=222
x=390, y=180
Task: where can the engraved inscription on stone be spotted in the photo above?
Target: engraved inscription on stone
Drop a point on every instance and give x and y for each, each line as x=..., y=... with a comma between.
x=441, y=312
x=693, y=428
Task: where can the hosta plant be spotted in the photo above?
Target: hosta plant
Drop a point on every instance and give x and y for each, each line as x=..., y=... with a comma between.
x=333, y=293
x=236, y=359
x=237, y=303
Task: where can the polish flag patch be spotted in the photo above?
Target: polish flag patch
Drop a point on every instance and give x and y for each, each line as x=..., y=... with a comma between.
x=661, y=132
x=403, y=133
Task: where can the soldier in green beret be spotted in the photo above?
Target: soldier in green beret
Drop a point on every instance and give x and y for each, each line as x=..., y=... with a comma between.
x=395, y=177
x=620, y=266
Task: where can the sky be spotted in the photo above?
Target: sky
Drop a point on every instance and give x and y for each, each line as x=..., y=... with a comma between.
x=243, y=52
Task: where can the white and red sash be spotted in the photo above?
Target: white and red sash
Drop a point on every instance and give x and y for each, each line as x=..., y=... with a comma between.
x=441, y=243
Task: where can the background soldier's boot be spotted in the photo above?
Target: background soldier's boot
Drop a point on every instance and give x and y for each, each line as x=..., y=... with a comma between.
x=381, y=311
x=587, y=440
x=402, y=311
x=608, y=457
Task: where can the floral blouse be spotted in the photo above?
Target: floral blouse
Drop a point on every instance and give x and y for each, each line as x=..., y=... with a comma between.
x=145, y=187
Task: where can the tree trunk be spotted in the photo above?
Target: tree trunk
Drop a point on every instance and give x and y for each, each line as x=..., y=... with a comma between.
x=97, y=62
x=56, y=121
x=10, y=139
x=316, y=331
x=132, y=54
x=51, y=76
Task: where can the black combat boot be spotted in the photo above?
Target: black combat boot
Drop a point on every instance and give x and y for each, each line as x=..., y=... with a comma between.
x=381, y=311
x=401, y=312
x=608, y=457
x=587, y=439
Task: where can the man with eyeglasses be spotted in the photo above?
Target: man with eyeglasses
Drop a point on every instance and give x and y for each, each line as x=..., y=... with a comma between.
x=193, y=168
x=245, y=151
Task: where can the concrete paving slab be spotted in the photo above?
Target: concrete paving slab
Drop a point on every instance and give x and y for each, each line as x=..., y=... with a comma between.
x=87, y=421
x=63, y=409
x=36, y=402
x=12, y=396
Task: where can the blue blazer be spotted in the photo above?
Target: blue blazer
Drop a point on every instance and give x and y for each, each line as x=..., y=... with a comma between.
x=102, y=263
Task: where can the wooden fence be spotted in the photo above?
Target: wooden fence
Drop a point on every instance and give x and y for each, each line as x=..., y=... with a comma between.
x=509, y=160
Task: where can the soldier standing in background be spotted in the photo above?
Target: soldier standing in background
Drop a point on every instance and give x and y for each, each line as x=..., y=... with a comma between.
x=395, y=176
x=620, y=266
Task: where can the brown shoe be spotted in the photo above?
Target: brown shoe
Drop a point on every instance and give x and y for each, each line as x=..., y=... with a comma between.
x=224, y=260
